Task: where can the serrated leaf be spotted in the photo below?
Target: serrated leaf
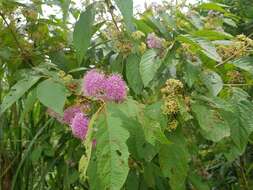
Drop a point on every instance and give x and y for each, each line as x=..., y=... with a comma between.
x=201, y=44
x=191, y=73
x=244, y=63
x=241, y=122
x=212, y=124
x=213, y=82
x=83, y=32
x=52, y=94
x=17, y=91
x=133, y=73
x=148, y=66
x=112, y=151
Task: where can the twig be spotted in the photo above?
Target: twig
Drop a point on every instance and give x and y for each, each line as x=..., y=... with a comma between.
x=15, y=39
x=12, y=33
x=232, y=56
x=238, y=85
x=111, y=13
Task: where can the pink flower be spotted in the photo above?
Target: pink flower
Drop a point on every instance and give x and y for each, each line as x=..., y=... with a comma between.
x=70, y=113
x=79, y=126
x=94, y=84
x=153, y=41
x=115, y=88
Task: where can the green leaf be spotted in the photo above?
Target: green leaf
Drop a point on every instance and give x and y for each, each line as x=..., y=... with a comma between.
x=230, y=22
x=52, y=94
x=148, y=66
x=191, y=73
x=195, y=19
x=213, y=34
x=133, y=73
x=116, y=63
x=241, y=122
x=88, y=143
x=17, y=91
x=173, y=159
x=197, y=182
x=244, y=63
x=112, y=151
x=28, y=103
x=201, y=44
x=83, y=32
x=213, y=126
x=126, y=9
x=212, y=81
x=213, y=6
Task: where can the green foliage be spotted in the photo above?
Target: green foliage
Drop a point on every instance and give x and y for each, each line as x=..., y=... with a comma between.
x=52, y=94
x=83, y=32
x=149, y=65
x=193, y=131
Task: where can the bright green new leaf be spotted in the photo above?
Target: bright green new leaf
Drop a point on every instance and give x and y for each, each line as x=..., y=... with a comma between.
x=213, y=6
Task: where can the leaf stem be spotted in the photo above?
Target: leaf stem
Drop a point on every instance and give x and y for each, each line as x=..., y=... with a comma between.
x=234, y=55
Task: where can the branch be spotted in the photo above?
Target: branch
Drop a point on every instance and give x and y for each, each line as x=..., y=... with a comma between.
x=112, y=15
x=15, y=38
x=234, y=55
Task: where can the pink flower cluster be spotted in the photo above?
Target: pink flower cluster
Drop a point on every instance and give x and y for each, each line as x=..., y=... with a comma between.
x=153, y=41
x=79, y=125
x=74, y=117
x=107, y=87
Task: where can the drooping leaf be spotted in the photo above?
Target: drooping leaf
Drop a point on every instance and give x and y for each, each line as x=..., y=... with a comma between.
x=241, y=123
x=173, y=159
x=112, y=151
x=83, y=32
x=126, y=9
x=148, y=66
x=213, y=126
x=244, y=63
x=52, y=94
x=17, y=91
